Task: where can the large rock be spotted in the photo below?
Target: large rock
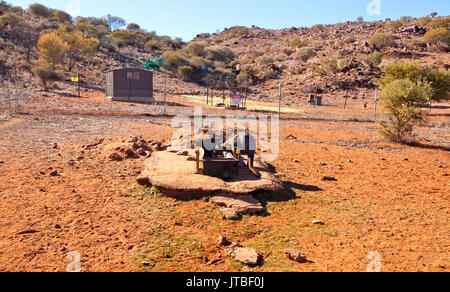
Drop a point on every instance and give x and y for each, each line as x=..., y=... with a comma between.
x=247, y=256
x=177, y=177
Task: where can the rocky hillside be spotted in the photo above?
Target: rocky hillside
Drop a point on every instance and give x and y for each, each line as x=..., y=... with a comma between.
x=338, y=60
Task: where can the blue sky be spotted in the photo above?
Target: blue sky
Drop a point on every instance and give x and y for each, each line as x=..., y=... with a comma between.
x=185, y=19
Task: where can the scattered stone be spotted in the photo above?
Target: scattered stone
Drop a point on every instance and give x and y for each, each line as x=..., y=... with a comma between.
x=296, y=255
x=55, y=146
x=80, y=157
x=232, y=207
x=63, y=249
x=296, y=161
x=142, y=152
x=190, y=158
x=57, y=226
x=2, y=162
x=173, y=149
x=135, y=146
x=183, y=153
x=247, y=256
x=317, y=222
x=54, y=173
x=146, y=264
x=115, y=157
x=329, y=178
x=236, y=244
x=223, y=241
x=143, y=181
x=323, y=164
x=26, y=232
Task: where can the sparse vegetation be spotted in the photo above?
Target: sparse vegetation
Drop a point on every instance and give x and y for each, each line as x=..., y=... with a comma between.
x=438, y=36
x=299, y=42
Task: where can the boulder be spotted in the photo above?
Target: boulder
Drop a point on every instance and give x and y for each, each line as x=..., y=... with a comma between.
x=296, y=255
x=247, y=256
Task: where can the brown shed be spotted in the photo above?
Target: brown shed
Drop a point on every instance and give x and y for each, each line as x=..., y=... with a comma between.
x=131, y=84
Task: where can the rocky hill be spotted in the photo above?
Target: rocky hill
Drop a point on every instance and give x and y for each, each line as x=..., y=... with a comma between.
x=337, y=60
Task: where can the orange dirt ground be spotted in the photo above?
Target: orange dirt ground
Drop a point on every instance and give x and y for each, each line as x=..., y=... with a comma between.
x=388, y=198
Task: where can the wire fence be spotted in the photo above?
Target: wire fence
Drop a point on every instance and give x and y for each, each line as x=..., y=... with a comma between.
x=14, y=94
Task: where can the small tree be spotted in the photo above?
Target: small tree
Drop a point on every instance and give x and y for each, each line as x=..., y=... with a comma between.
x=360, y=19
x=46, y=76
x=400, y=100
x=52, y=49
x=133, y=27
x=299, y=42
x=78, y=45
x=115, y=22
x=186, y=72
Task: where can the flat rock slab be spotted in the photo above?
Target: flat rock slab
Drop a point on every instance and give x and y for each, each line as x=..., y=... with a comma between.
x=247, y=256
x=175, y=176
x=233, y=206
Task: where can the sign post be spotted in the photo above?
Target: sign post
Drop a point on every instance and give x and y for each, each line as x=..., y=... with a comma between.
x=376, y=103
x=279, y=102
x=77, y=80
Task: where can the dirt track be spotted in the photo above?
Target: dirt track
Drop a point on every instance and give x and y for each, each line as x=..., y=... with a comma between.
x=388, y=198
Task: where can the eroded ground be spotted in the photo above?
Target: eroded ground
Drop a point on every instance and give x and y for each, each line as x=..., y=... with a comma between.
x=388, y=198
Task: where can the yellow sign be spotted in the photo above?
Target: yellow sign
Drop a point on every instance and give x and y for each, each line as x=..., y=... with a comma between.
x=74, y=79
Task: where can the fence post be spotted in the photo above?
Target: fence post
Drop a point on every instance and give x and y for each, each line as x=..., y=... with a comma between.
x=279, y=102
x=165, y=93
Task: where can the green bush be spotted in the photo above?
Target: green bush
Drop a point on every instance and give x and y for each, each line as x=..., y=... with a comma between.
x=39, y=10
x=175, y=60
x=200, y=62
x=374, y=58
x=395, y=25
x=438, y=36
x=382, y=40
x=46, y=76
x=108, y=43
x=221, y=54
x=415, y=72
x=305, y=53
x=288, y=51
x=186, y=72
x=400, y=100
x=133, y=27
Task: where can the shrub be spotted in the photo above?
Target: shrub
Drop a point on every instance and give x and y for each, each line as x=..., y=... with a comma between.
x=218, y=53
x=423, y=21
x=439, y=22
x=406, y=19
x=186, y=72
x=52, y=49
x=374, y=58
x=415, y=72
x=271, y=74
x=108, y=43
x=317, y=28
x=242, y=32
x=200, y=62
x=264, y=60
x=438, y=36
x=152, y=45
x=382, y=40
x=400, y=100
x=288, y=51
x=175, y=60
x=305, y=53
x=395, y=25
x=62, y=17
x=247, y=74
x=360, y=19
x=46, y=76
x=39, y=10
x=196, y=49
x=328, y=66
x=299, y=42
